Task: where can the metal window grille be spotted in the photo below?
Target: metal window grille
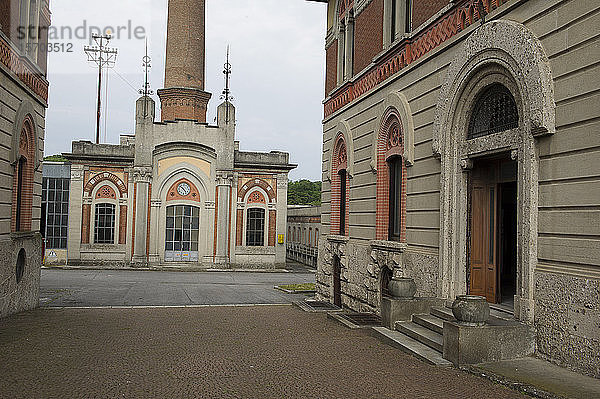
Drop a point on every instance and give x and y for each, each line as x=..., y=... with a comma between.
x=255, y=230
x=104, y=226
x=55, y=208
x=495, y=111
x=183, y=227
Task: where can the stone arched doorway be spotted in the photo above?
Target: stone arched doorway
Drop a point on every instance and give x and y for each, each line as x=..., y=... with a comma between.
x=498, y=54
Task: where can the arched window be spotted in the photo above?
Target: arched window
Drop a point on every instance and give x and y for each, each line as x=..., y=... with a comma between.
x=391, y=180
x=339, y=188
x=495, y=111
x=255, y=227
x=23, y=178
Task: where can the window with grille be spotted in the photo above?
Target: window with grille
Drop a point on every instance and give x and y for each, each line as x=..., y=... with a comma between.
x=55, y=212
x=255, y=229
x=495, y=111
x=395, y=205
x=104, y=226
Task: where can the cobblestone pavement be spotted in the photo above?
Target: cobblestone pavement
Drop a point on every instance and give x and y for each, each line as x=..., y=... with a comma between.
x=212, y=352
x=164, y=288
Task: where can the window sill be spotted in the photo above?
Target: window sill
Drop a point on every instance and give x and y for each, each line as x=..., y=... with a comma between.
x=21, y=235
x=391, y=246
x=334, y=238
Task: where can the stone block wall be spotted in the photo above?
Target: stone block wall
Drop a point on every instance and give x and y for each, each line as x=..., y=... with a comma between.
x=24, y=295
x=567, y=319
x=361, y=272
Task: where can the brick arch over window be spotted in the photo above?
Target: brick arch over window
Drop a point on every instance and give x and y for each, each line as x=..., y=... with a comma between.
x=390, y=143
x=257, y=183
x=102, y=177
x=23, y=177
x=339, y=167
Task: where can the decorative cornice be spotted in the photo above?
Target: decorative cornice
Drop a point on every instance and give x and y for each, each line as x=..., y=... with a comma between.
x=24, y=69
x=455, y=20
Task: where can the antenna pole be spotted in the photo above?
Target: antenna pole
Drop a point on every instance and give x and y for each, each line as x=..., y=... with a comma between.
x=103, y=56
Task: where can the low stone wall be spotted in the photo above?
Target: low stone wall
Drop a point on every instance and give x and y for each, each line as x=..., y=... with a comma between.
x=362, y=264
x=567, y=319
x=17, y=297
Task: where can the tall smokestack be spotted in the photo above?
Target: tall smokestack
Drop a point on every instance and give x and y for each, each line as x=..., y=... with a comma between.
x=183, y=96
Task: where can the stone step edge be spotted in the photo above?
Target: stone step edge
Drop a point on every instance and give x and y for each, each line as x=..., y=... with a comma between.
x=430, y=322
x=410, y=346
x=422, y=334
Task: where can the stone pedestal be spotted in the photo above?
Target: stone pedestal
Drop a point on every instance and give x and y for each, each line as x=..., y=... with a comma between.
x=497, y=340
x=402, y=309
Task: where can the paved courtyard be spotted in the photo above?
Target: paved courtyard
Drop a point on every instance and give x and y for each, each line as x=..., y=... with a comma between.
x=161, y=288
x=213, y=352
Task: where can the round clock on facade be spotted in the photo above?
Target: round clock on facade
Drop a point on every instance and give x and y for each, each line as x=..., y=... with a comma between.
x=183, y=189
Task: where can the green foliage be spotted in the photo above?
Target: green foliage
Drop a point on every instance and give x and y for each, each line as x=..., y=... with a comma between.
x=304, y=192
x=55, y=158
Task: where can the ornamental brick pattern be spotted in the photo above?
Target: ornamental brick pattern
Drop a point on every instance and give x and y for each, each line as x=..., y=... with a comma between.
x=445, y=27
x=389, y=143
x=27, y=148
x=257, y=183
x=331, y=67
x=106, y=191
x=338, y=164
x=102, y=177
x=256, y=198
x=368, y=35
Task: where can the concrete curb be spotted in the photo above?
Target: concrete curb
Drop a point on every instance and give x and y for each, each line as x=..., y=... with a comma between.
x=527, y=389
x=294, y=291
x=172, y=269
x=238, y=305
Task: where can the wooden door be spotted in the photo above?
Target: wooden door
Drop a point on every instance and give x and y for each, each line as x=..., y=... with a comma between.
x=483, y=262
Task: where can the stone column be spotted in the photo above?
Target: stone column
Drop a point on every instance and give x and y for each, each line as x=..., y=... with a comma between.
x=282, y=187
x=341, y=55
x=224, y=183
x=142, y=177
x=75, y=214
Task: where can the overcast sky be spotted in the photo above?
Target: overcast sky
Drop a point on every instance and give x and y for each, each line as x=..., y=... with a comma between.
x=277, y=82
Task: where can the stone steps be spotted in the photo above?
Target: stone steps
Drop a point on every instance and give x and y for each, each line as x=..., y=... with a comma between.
x=430, y=322
x=411, y=346
x=421, y=334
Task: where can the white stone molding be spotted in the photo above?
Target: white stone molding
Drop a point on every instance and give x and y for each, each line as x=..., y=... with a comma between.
x=398, y=102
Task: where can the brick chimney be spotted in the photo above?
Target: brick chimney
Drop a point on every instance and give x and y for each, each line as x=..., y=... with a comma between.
x=183, y=96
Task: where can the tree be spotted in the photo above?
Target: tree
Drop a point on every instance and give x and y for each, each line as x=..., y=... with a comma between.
x=304, y=192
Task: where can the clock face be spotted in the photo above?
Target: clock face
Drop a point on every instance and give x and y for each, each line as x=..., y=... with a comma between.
x=183, y=189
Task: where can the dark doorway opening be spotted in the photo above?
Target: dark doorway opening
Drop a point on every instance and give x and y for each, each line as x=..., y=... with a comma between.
x=493, y=230
x=386, y=277
x=507, y=236
x=337, y=281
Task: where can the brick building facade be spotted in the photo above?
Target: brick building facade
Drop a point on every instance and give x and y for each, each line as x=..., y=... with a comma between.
x=178, y=192
x=23, y=103
x=460, y=150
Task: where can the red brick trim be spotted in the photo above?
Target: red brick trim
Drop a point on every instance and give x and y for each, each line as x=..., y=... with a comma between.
x=133, y=220
x=85, y=223
x=106, y=191
x=257, y=183
x=388, y=145
x=272, y=228
x=410, y=50
x=104, y=176
x=25, y=71
x=331, y=67
x=239, y=227
x=149, y=208
x=122, y=224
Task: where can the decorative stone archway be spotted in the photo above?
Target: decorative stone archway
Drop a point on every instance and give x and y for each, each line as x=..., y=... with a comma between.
x=498, y=52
